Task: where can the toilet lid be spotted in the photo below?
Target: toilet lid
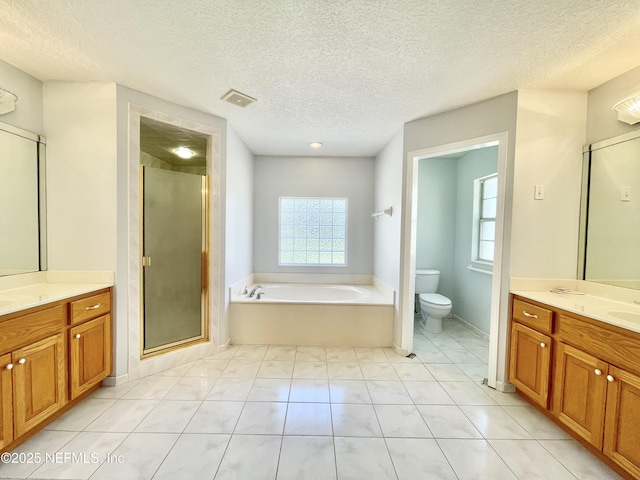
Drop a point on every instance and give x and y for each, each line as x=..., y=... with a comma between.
x=435, y=299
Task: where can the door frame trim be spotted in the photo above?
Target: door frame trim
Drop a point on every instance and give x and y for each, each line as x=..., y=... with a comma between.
x=499, y=285
x=136, y=366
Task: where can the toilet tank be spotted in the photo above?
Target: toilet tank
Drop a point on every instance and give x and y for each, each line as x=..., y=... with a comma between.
x=427, y=281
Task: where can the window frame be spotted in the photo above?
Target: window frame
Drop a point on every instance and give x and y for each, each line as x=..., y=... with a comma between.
x=282, y=263
x=482, y=265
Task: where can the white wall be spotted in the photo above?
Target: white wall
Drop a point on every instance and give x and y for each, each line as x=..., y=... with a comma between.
x=387, y=230
x=602, y=121
x=350, y=177
x=388, y=193
x=238, y=214
x=80, y=124
x=28, y=112
x=549, y=139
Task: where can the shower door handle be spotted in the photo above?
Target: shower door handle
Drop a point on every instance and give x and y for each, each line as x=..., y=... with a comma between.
x=146, y=261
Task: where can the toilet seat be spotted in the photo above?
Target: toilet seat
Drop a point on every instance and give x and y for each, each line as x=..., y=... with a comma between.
x=435, y=299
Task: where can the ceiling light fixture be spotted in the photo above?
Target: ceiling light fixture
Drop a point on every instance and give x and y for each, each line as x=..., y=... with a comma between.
x=7, y=101
x=315, y=144
x=184, y=152
x=629, y=109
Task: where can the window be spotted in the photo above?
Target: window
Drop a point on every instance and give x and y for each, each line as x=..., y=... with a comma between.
x=484, y=222
x=313, y=231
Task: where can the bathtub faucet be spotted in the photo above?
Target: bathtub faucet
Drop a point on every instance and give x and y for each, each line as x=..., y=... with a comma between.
x=253, y=290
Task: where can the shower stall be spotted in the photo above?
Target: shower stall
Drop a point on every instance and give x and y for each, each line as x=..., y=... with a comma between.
x=174, y=237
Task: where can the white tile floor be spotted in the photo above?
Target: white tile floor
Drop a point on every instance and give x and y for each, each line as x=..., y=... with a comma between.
x=274, y=412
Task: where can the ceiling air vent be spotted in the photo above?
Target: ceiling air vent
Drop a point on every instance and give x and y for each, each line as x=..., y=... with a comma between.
x=238, y=98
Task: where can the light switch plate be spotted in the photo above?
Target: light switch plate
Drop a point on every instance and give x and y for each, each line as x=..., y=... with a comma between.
x=538, y=192
x=625, y=193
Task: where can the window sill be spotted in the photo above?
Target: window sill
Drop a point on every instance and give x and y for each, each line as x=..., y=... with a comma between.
x=486, y=268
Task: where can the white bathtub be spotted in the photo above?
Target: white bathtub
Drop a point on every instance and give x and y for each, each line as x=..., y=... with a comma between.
x=315, y=293
x=312, y=314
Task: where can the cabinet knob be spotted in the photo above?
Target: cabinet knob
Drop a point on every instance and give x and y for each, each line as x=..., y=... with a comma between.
x=610, y=378
x=598, y=371
x=78, y=335
x=9, y=366
x=542, y=344
x=22, y=361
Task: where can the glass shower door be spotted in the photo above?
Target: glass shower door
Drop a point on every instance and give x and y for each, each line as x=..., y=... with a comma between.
x=174, y=258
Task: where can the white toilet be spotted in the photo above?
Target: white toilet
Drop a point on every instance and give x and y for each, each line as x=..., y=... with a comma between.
x=433, y=306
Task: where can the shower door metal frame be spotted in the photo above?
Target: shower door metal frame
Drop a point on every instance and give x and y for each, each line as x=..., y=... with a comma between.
x=204, y=265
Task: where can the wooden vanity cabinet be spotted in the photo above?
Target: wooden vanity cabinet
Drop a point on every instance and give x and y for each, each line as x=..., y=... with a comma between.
x=39, y=382
x=580, y=392
x=622, y=421
x=47, y=361
x=89, y=354
x=530, y=350
x=530, y=363
x=6, y=400
x=593, y=379
x=601, y=403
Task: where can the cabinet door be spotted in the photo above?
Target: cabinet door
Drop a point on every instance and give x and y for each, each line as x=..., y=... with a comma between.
x=622, y=422
x=579, y=392
x=39, y=376
x=529, y=362
x=6, y=397
x=90, y=353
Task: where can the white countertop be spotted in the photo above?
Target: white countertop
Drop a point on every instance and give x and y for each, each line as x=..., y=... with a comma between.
x=33, y=295
x=618, y=313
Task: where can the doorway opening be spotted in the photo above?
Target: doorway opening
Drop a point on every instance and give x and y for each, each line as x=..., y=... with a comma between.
x=174, y=237
x=498, y=289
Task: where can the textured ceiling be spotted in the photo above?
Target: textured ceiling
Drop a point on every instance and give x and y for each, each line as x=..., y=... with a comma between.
x=347, y=73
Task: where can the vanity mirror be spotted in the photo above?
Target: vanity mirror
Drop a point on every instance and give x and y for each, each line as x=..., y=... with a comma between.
x=22, y=201
x=610, y=216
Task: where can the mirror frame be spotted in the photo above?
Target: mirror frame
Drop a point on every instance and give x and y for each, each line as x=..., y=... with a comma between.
x=587, y=150
x=42, y=192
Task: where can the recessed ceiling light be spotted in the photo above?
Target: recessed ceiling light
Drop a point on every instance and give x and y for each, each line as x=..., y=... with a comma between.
x=184, y=152
x=315, y=144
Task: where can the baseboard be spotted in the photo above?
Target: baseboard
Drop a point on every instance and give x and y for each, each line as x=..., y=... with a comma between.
x=225, y=346
x=472, y=327
x=505, y=387
x=403, y=352
x=116, y=381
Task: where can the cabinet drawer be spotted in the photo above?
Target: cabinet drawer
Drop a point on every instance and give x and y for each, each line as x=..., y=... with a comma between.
x=535, y=317
x=22, y=330
x=90, y=307
x=617, y=347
